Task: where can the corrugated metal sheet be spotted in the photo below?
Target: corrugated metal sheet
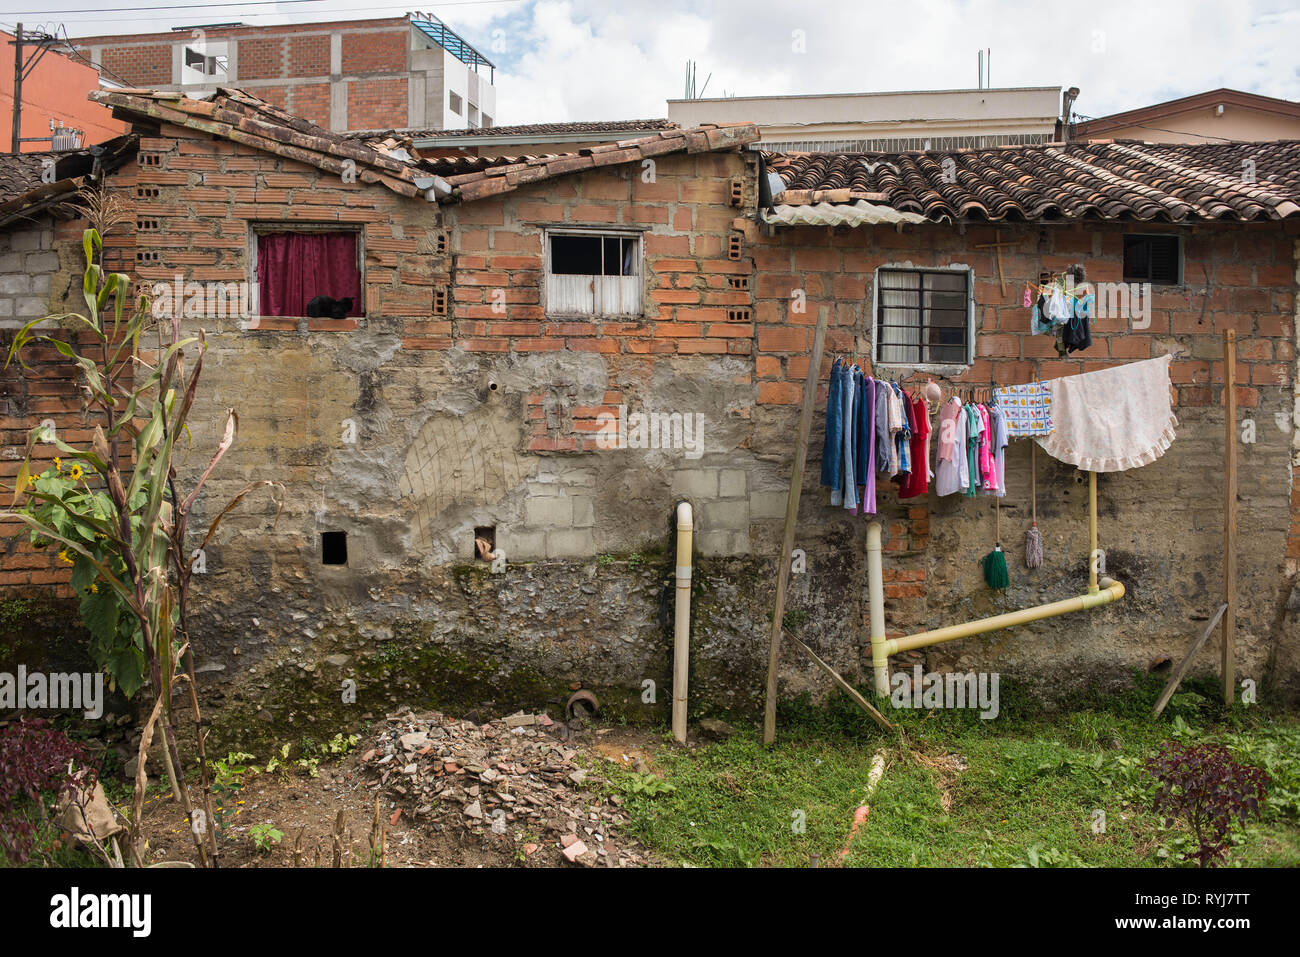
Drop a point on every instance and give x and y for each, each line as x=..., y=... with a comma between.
x=860, y=213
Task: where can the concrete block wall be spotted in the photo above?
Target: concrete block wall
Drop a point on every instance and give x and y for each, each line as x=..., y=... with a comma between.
x=27, y=261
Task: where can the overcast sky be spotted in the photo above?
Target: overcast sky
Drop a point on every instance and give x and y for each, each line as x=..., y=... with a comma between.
x=622, y=59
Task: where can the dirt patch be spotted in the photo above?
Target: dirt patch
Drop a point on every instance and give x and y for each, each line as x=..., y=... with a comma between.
x=423, y=816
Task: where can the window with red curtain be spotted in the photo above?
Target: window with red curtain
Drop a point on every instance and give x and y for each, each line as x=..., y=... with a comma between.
x=295, y=268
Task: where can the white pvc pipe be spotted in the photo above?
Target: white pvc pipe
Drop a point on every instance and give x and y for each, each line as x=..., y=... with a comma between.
x=682, y=623
x=876, y=596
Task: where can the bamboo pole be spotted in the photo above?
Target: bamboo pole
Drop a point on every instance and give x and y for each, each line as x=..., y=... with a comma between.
x=1229, y=512
x=791, y=517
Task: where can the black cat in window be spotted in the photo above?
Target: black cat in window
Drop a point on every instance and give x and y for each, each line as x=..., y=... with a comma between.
x=325, y=307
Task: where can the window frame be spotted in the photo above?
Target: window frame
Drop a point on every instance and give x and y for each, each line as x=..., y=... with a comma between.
x=256, y=229
x=939, y=368
x=638, y=235
x=1179, y=254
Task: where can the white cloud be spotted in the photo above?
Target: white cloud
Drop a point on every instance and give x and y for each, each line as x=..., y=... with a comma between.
x=622, y=59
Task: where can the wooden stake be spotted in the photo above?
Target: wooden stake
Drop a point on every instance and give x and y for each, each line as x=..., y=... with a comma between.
x=1172, y=684
x=791, y=517
x=1229, y=512
x=843, y=685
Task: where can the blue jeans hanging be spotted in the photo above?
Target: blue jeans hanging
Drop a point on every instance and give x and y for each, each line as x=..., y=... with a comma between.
x=833, y=450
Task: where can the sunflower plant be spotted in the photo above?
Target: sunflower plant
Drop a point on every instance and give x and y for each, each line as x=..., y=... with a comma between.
x=65, y=500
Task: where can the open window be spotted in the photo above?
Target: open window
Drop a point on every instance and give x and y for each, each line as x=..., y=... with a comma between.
x=593, y=273
x=923, y=317
x=204, y=62
x=295, y=267
x=455, y=103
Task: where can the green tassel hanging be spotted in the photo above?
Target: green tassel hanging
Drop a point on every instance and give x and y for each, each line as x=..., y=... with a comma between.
x=995, y=569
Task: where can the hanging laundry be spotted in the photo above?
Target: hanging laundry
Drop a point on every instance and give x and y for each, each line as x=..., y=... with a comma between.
x=1076, y=334
x=882, y=426
x=1028, y=409
x=1112, y=420
x=866, y=433
x=948, y=473
x=962, y=441
x=974, y=429
x=832, y=450
x=999, y=425
x=917, y=482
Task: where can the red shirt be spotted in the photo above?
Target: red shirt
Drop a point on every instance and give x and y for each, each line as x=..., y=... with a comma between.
x=917, y=481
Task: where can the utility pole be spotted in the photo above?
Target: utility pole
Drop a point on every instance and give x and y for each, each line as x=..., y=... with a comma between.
x=16, y=134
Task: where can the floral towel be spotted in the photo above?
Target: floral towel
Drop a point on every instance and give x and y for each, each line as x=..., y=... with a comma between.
x=1028, y=409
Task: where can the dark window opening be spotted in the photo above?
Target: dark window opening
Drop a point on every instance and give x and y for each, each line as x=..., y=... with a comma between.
x=333, y=548
x=485, y=542
x=593, y=255
x=1154, y=259
x=295, y=268
x=923, y=317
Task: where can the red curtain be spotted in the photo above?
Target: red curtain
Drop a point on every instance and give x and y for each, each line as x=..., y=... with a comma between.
x=295, y=268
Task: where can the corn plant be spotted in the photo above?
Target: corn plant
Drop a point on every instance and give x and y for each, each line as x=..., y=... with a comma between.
x=122, y=522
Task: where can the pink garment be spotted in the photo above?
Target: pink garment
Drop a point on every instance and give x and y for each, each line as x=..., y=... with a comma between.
x=988, y=468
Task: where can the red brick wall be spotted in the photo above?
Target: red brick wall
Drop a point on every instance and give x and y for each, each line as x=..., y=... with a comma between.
x=311, y=101
x=205, y=226
x=309, y=56
x=144, y=65
x=371, y=52
x=377, y=104
x=262, y=59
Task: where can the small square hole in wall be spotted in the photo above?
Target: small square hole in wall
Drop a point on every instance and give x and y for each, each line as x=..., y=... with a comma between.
x=734, y=245
x=485, y=542
x=440, y=243
x=333, y=548
x=738, y=282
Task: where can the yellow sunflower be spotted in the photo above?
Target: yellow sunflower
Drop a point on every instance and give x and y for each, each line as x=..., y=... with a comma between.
x=74, y=473
x=66, y=556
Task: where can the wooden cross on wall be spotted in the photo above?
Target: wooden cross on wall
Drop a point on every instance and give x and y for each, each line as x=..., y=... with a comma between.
x=997, y=246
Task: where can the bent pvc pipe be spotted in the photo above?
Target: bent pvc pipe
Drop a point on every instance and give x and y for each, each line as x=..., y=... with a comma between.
x=1108, y=592
x=682, y=623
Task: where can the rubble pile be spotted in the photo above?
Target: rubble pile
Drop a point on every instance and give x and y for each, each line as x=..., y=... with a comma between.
x=512, y=779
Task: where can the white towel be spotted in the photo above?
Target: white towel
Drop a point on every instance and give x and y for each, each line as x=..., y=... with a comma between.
x=1112, y=420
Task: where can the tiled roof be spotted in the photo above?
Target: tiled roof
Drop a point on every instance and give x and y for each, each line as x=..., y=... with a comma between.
x=1167, y=182
x=23, y=192
x=534, y=129
x=388, y=157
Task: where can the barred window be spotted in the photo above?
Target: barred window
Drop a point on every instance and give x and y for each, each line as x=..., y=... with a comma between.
x=923, y=316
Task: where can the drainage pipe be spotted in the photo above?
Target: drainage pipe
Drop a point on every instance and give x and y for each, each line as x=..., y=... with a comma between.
x=876, y=595
x=682, y=624
x=1094, y=557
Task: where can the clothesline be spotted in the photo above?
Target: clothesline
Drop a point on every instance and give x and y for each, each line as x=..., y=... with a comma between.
x=1110, y=420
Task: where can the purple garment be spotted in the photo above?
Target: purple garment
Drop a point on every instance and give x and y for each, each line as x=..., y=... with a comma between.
x=869, y=490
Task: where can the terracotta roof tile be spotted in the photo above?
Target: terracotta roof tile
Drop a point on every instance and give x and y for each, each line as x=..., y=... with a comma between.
x=1166, y=182
x=390, y=159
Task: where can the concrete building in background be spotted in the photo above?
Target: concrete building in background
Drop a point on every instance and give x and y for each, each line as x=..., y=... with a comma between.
x=399, y=72
x=939, y=119
x=56, y=114
x=1217, y=116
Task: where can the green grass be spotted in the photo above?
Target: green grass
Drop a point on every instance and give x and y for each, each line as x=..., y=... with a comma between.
x=1031, y=792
